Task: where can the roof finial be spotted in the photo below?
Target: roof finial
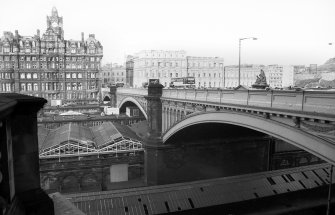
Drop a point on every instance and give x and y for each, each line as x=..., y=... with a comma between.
x=54, y=11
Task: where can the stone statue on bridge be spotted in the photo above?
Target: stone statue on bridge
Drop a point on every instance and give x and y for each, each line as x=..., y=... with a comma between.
x=260, y=81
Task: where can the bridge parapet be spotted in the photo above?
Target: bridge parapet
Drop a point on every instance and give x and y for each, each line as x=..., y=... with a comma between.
x=306, y=101
x=133, y=91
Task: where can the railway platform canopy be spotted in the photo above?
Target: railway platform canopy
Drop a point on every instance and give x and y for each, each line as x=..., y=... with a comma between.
x=73, y=140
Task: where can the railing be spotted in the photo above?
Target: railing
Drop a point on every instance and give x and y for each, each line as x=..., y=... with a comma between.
x=307, y=101
x=319, y=101
x=133, y=91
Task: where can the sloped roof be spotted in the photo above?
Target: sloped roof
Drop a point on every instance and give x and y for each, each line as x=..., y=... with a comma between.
x=127, y=132
x=42, y=134
x=104, y=133
x=67, y=132
x=109, y=132
x=140, y=128
x=98, y=136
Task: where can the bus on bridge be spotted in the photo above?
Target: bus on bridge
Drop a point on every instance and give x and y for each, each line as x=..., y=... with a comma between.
x=185, y=82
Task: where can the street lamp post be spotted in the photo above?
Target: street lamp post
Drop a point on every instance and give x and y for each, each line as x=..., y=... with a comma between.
x=239, y=57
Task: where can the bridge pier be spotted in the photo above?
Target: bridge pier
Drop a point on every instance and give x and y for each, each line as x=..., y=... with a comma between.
x=154, y=149
x=112, y=93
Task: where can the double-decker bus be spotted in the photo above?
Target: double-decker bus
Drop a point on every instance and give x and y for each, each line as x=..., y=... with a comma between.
x=184, y=82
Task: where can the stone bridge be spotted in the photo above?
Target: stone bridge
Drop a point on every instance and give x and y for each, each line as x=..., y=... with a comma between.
x=303, y=118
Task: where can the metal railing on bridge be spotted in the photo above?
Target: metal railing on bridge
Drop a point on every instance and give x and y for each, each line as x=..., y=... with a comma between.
x=318, y=101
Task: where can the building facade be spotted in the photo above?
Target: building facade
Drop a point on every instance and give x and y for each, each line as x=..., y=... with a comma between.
x=164, y=65
x=113, y=74
x=119, y=73
x=208, y=71
x=248, y=74
x=49, y=66
x=106, y=75
x=277, y=76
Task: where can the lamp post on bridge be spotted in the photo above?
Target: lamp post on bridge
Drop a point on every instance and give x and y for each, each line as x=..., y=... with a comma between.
x=239, y=57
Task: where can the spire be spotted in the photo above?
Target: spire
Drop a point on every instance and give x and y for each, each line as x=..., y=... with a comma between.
x=54, y=12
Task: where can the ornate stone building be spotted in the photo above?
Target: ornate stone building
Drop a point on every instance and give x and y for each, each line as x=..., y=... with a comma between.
x=164, y=65
x=158, y=64
x=207, y=71
x=49, y=66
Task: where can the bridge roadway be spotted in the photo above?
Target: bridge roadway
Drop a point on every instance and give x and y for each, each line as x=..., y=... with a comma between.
x=275, y=192
x=305, y=119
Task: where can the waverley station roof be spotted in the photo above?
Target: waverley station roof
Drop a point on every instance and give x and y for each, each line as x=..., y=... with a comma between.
x=75, y=140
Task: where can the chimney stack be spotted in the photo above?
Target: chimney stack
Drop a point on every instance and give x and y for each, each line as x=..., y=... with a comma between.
x=16, y=33
x=38, y=32
x=82, y=36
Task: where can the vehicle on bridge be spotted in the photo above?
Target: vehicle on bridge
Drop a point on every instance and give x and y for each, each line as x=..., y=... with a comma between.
x=184, y=82
x=119, y=84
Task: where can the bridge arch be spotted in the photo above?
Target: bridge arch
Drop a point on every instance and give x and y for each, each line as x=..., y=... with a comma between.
x=130, y=99
x=106, y=98
x=295, y=136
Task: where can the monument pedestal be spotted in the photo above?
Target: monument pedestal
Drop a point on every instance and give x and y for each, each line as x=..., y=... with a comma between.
x=260, y=86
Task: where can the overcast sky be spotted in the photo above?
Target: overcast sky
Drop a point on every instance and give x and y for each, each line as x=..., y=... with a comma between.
x=289, y=31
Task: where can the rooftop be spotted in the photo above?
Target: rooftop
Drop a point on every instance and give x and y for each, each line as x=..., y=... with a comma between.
x=205, y=194
x=73, y=139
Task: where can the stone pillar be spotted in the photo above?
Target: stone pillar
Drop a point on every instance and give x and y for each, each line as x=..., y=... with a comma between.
x=112, y=92
x=167, y=119
x=178, y=115
x=153, y=142
x=164, y=119
x=171, y=117
x=154, y=111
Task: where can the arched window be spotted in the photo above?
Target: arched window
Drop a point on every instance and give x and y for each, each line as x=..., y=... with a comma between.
x=74, y=75
x=22, y=76
x=23, y=87
x=29, y=88
x=35, y=87
x=28, y=76
x=35, y=75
